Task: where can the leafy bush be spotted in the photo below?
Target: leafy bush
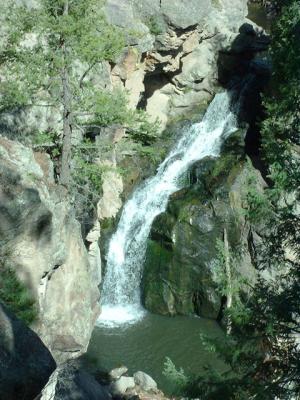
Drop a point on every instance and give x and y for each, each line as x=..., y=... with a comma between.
x=258, y=207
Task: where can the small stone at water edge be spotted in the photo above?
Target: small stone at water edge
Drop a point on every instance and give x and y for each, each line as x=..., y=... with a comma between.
x=116, y=373
x=144, y=381
x=122, y=385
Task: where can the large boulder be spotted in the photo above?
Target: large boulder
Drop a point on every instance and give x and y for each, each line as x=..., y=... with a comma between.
x=46, y=250
x=122, y=385
x=25, y=362
x=68, y=382
x=144, y=381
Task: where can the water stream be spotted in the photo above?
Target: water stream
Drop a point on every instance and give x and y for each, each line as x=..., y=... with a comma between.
x=121, y=288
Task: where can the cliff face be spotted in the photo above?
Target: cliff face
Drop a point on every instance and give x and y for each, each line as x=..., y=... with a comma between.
x=173, y=69
x=46, y=250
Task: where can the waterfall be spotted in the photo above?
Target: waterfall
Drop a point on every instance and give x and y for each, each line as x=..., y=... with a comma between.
x=127, y=247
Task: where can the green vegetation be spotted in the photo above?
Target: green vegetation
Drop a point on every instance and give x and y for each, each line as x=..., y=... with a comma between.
x=261, y=348
x=50, y=57
x=155, y=25
x=14, y=294
x=176, y=376
x=258, y=207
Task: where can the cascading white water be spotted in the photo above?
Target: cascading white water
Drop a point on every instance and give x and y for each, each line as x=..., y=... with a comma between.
x=127, y=247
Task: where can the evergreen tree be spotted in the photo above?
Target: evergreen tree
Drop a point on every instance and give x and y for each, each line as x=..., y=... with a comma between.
x=46, y=56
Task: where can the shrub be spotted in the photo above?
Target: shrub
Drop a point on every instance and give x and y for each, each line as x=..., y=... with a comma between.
x=15, y=295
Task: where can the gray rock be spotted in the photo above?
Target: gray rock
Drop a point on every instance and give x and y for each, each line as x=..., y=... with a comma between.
x=122, y=385
x=144, y=381
x=146, y=8
x=47, y=250
x=185, y=13
x=116, y=373
x=70, y=383
x=121, y=13
x=25, y=362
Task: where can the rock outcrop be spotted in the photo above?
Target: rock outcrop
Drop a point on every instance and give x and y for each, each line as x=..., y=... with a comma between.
x=172, y=67
x=176, y=55
x=180, y=274
x=46, y=250
x=25, y=362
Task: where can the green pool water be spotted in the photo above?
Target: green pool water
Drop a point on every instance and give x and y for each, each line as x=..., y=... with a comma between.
x=145, y=345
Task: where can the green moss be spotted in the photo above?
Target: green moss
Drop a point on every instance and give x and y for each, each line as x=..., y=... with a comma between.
x=16, y=296
x=108, y=223
x=223, y=165
x=154, y=287
x=157, y=256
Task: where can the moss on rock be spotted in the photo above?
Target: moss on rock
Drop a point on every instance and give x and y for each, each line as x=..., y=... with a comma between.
x=179, y=273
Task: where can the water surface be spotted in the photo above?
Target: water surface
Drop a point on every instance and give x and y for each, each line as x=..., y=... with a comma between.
x=145, y=345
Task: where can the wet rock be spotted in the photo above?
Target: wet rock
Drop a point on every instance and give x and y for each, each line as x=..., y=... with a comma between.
x=179, y=275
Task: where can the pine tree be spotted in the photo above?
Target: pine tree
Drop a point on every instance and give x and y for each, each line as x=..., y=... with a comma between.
x=44, y=49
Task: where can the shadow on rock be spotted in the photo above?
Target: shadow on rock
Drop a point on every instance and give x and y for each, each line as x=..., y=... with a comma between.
x=25, y=362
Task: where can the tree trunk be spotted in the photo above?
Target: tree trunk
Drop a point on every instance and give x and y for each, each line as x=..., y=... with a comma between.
x=65, y=177
x=228, y=279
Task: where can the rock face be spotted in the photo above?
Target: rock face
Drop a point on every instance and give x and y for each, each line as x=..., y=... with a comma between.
x=179, y=276
x=177, y=71
x=46, y=250
x=25, y=362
